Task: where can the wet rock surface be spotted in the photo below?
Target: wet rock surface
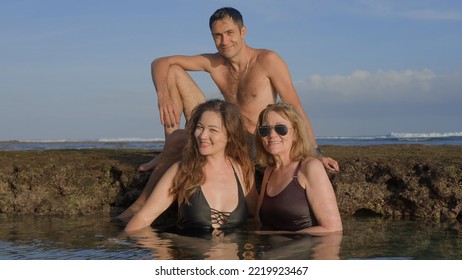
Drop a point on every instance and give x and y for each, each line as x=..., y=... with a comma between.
x=400, y=181
x=422, y=182
x=70, y=181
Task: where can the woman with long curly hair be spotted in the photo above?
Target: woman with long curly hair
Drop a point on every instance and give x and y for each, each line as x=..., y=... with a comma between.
x=214, y=182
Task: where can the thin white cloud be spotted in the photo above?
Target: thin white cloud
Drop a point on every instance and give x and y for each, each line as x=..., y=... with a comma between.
x=365, y=103
x=389, y=86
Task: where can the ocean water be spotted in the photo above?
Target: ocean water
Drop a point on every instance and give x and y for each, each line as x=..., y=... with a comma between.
x=450, y=138
x=101, y=238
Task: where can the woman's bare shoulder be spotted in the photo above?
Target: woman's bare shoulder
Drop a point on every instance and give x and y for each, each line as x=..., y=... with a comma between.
x=312, y=162
x=312, y=167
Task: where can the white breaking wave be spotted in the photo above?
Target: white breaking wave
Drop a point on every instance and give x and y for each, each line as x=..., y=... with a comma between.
x=395, y=135
x=351, y=137
x=101, y=140
x=41, y=141
x=425, y=135
x=130, y=140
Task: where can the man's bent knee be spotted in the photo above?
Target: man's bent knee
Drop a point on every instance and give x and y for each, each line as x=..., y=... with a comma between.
x=184, y=88
x=177, y=72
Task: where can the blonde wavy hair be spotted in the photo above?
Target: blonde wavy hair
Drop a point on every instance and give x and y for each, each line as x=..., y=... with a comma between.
x=191, y=174
x=301, y=145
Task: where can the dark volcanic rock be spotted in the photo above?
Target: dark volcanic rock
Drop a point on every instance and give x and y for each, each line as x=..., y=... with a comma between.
x=69, y=181
x=417, y=181
x=400, y=181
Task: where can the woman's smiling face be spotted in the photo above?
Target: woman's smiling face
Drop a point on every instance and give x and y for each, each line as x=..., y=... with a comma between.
x=274, y=143
x=211, y=136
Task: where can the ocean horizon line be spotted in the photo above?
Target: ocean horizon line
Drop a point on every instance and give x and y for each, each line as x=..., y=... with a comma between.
x=391, y=135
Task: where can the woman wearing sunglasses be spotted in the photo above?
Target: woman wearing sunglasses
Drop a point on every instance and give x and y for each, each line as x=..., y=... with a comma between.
x=296, y=193
x=213, y=183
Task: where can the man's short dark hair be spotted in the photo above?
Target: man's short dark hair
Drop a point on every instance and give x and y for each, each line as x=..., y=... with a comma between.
x=227, y=12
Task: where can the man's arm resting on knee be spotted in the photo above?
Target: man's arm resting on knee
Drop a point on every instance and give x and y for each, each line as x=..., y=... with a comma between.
x=160, y=67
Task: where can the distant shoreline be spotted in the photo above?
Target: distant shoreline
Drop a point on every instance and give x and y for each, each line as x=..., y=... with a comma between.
x=431, y=139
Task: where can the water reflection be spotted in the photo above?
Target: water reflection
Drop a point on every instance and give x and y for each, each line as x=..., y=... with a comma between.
x=299, y=247
x=237, y=245
x=171, y=246
x=372, y=238
x=99, y=237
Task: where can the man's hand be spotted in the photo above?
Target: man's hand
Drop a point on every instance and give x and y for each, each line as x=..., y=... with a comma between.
x=330, y=164
x=169, y=117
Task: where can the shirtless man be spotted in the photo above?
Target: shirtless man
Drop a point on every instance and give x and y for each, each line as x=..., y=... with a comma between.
x=251, y=78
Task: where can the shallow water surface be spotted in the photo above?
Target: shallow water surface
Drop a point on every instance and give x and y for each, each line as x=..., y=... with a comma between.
x=99, y=237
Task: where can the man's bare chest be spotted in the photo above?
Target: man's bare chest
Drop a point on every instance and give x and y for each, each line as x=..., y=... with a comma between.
x=247, y=88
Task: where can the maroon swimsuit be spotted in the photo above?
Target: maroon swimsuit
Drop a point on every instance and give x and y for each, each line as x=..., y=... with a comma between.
x=288, y=210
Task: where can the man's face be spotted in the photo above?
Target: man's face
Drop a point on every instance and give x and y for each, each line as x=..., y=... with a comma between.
x=228, y=37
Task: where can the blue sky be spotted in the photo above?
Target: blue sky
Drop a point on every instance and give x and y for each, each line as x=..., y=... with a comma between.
x=80, y=70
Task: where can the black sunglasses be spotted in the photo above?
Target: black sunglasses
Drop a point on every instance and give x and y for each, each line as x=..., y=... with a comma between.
x=280, y=129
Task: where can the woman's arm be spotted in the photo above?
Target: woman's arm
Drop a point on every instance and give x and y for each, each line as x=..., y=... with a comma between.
x=159, y=200
x=321, y=197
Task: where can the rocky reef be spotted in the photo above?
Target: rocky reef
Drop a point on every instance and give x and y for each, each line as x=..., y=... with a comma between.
x=413, y=181
x=391, y=181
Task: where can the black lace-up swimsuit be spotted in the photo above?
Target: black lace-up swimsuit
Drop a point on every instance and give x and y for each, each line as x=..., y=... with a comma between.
x=198, y=215
x=288, y=210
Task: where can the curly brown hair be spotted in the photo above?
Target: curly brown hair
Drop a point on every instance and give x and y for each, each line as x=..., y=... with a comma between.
x=191, y=174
